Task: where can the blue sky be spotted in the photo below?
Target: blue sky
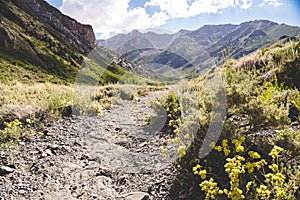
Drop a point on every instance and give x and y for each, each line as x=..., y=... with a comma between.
x=109, y=17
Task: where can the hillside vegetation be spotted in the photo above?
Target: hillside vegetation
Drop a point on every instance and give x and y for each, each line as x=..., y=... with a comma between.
x=29, y=47
x=257, y=154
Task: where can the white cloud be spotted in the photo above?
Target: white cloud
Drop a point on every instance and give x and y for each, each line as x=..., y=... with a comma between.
x=107, y=16
x=274, y=3
x=115, y=16
x=188, y=8
x=246, y=4
x=173, y=8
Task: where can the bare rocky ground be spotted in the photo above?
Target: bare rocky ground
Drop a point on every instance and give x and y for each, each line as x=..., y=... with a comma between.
x=112, y=156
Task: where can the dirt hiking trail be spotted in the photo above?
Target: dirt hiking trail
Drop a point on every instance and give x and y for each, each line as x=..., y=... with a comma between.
x=112, y=156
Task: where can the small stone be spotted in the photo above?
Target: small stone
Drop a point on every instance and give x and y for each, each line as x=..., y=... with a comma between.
x=55, y=146
x=48, y=152
x=118, y=129
x=6, y=170
x=143, y=144
x=22, y=192
x=44, y=154
x=137, y=196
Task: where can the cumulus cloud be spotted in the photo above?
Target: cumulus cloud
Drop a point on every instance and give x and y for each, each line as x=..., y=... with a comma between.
x=246, y=4
x=111, y=16
x=188, y=8
x=115, y=16
x=274, y=3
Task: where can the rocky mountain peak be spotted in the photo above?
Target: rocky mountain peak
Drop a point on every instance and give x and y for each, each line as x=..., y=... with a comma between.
x=78, y=35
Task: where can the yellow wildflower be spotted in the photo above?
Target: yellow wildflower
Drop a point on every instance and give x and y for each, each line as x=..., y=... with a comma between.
x=253, y=154
x=40, y=133
x=248, y=185
x=196, y=169
x=161, y=148
x=224, y=143
x=176, y=140
x=275, y=151
x=187, y=136
x=273, y=167
x=202, y=174
x=240, y=148
x=181, y=151
x=212, y=144
x=218, y=148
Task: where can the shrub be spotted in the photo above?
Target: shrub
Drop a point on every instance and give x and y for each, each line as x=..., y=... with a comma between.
x=14, y=131
x=290, y=140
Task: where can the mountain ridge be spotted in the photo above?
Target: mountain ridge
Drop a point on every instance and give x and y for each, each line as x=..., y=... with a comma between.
x=203, y=47
x=80, y=35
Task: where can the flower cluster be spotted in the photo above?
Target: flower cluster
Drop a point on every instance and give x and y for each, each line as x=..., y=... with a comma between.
x=258, y=165
x=14, y=123
x=181, y=151
x=275, y=151
x=164, y=151
x=275, y=180
x=211, y=188
x=173, y=110
x=253, y=154
x=273, y=184
x=201, y=173
x=234, y=167
x=238, y=144
x=178, y=137
x=223, y=147
x=14, y=131
x=263, y=191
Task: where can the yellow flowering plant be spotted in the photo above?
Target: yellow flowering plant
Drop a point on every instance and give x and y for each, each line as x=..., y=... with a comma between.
x=16, y=130
x=249, y=176
x=173, y=125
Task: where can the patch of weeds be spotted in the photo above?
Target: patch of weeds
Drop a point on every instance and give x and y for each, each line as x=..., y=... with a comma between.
x=148, y=119
x=290, y=140
x=143, y=92
x=14, y=131
x=127, y=92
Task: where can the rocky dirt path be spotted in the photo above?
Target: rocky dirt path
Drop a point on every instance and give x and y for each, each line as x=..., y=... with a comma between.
x=113, y=156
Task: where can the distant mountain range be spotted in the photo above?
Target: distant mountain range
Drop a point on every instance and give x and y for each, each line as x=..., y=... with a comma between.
x=193, y=51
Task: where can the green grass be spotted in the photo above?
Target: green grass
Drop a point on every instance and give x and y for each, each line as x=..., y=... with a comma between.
x=15, y=70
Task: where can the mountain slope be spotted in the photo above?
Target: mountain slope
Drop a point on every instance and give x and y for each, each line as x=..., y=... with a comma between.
x=40, y=44
x=35, y=44
x=201, y=48
x=250, y=36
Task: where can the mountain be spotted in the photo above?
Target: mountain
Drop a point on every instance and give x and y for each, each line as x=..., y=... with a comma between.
x=151, y=39
x=199, y=49
x=40, y=44
x=210, y=33
x=249, y=36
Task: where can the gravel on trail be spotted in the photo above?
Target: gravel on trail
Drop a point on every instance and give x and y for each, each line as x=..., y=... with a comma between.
x=112, y=156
